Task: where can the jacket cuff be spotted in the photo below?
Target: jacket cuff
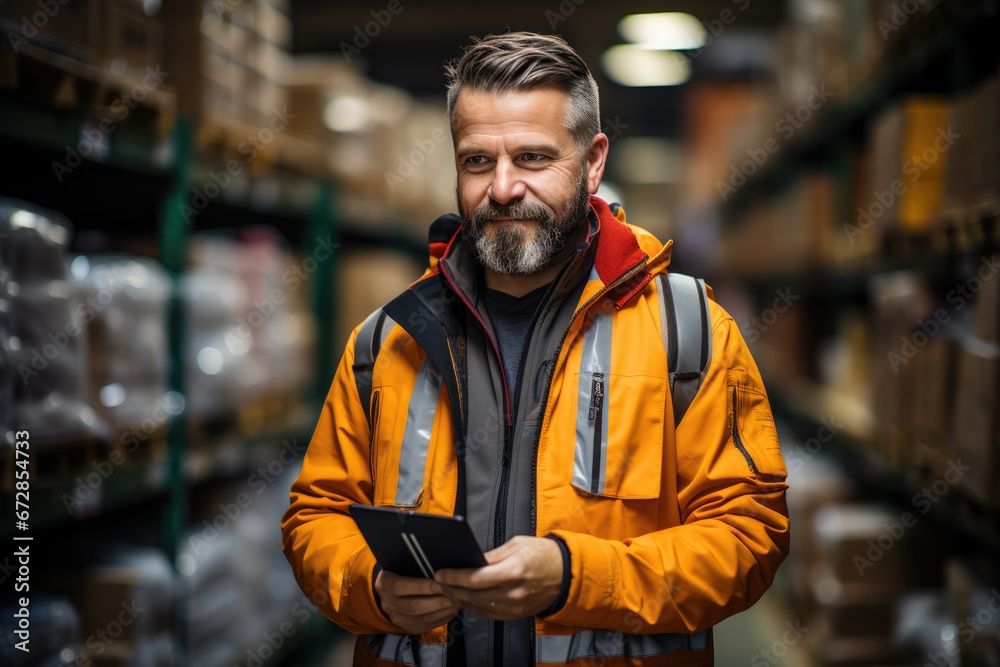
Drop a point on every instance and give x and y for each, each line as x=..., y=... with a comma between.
x=588, y=603
x=567, y=576
x=378, y=600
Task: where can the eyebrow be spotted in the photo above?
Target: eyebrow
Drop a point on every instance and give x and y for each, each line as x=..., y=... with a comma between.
x=548, y=149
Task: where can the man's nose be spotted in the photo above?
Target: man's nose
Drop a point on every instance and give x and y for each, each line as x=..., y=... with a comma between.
x=507, y=185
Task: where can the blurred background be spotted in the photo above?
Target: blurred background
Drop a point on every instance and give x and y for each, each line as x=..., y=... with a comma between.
x=199, y=199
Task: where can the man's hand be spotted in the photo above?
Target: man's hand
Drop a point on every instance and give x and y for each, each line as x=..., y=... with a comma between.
x=522, y=578
x=415, y=605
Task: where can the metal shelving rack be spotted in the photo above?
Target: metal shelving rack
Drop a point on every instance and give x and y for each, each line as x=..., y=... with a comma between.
x=131, y=183
x=943, y=42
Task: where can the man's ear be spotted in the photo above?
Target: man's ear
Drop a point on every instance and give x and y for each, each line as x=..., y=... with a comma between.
x=597, y=157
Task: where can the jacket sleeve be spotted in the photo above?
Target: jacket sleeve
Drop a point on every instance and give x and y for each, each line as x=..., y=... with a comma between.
x=734, y=520
x=331, y=561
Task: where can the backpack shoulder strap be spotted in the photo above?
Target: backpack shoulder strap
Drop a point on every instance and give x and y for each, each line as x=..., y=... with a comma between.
x=374, y=330
x=687, y=336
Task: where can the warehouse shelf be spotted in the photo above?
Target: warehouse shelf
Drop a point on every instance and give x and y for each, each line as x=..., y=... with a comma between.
x=938, y=255
x=920, y=47
x=91, y=491
x=958, y=521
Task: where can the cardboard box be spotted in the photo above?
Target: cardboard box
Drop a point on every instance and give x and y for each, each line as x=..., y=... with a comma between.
x=910, y=159
x=975, y=440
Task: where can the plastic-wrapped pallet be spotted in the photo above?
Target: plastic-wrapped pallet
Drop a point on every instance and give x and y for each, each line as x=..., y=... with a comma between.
x=218, y=593
x=127, y=336
x=215, y=299
x=55, y=633
x=45, y=338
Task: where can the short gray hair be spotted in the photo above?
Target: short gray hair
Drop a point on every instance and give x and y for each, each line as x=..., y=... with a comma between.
x=522, y=61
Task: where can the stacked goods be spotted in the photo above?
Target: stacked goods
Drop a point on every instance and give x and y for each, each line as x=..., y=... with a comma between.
x=215, y=594
x=250, y=335
x=125, y=595
x=815, y=482
x=974, y=597
x=869, y=556
x=45, y=340
x=120, y=35
x=902, y=324
x=127, y=335
x=976, y=429
x=276, y=323
x=53, y=634
x=215, y=300
x=247, y=608
x=973, y=170
x=227, y=58
x=911, y=143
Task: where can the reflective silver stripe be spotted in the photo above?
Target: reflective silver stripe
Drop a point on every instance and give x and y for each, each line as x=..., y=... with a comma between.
x=399, y=649
x=689, y=327
x=417, y=434
x=561, y=649
x=596, y=358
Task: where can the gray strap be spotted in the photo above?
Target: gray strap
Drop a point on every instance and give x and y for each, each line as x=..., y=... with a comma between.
x=374, y=330
x=684, y=313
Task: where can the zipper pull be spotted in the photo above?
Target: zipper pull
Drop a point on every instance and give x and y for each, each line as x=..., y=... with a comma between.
x=508, y=435
x=596, y=396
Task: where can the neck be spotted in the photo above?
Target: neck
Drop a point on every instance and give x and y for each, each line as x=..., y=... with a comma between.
x=521, y=285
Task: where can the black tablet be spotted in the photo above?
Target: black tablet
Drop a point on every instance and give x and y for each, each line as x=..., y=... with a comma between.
x=414, y=544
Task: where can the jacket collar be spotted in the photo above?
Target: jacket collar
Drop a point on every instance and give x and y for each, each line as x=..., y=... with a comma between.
x=614, y=247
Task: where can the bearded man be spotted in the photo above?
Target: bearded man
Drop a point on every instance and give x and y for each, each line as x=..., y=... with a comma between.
x=524, y=382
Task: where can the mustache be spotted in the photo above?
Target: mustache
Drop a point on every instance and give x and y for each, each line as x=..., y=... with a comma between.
x=519, y=210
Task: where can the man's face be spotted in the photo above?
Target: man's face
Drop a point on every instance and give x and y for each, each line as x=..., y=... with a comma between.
x=523, y=183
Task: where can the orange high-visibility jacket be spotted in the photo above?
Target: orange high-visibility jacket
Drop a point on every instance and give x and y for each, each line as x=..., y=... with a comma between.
x=669, y=529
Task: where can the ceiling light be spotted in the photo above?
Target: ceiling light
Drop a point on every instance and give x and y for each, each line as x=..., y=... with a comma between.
x=663, y=31
x=630, y=65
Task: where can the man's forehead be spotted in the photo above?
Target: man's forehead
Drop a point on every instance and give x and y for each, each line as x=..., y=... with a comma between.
x=541, y=110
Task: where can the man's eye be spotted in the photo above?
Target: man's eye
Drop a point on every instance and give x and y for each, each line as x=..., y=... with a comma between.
x=533, y=157
x=476, y=159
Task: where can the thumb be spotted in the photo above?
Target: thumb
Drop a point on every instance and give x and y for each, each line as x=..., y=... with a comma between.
x=505, y=550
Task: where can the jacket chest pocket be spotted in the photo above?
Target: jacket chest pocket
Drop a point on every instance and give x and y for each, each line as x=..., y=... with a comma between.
x=619, y=435
x=401, y=439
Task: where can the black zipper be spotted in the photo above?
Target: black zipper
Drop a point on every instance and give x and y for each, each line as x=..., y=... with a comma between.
x=373, y=438
x=545, y=399
x=736, y=434
x=596, y=415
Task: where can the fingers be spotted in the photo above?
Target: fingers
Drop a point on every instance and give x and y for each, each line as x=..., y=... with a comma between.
x=414, y=625
x=399, y=586
x=414, y=605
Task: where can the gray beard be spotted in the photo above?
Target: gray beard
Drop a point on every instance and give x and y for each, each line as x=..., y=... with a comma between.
x=508, y=250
